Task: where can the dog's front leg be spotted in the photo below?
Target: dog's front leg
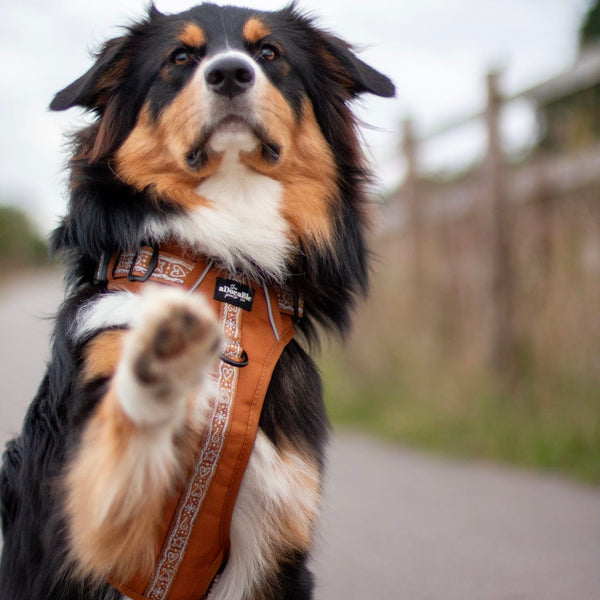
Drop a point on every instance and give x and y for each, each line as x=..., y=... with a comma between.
x=137, y=442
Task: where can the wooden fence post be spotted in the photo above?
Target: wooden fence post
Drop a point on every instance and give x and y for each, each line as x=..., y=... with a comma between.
x=503, y=279
x=411, y=191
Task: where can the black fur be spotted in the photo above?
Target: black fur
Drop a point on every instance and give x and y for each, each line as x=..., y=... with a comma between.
x=105, y=215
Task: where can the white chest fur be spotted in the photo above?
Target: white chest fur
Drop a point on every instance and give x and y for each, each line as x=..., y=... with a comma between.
x=242, y=224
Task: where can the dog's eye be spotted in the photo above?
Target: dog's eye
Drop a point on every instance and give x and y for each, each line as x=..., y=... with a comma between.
x=181, y=57
x=268, y=52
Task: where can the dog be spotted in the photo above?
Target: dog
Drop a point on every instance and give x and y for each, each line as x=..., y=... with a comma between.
x=221, y=182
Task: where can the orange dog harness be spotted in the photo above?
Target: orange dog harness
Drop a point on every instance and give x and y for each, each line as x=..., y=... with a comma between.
x=258, y=324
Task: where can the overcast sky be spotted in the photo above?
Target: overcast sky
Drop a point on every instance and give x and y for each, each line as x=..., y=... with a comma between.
x=436, y=52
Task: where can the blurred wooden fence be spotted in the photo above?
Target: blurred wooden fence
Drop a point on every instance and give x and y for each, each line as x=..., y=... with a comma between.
x=500, y=251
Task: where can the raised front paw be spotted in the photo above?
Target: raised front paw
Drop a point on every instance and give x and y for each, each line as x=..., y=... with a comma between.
x=167, y=355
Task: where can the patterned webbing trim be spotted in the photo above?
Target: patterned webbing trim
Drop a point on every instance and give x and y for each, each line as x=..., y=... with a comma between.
x=168, y=269
x=175, y=271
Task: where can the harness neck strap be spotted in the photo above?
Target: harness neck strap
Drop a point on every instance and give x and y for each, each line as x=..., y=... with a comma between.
x=258, y=322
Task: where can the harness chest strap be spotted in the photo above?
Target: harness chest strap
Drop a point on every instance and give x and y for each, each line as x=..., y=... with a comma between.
x=194, y=538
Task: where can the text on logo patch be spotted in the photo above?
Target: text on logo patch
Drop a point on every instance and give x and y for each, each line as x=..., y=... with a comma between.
x=234, y=293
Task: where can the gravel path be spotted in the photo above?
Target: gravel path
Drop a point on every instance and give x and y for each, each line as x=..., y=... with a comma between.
x=397, y=524
x=26, y=311
x=407, y=526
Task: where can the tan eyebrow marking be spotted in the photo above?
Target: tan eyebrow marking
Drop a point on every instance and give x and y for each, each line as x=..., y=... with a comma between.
x=255, y=30
x=193, y=36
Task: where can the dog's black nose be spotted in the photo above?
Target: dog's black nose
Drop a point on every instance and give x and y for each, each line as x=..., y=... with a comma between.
x=230, y=76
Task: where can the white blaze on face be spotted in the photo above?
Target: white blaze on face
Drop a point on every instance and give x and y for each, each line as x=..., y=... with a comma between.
x=244, y=205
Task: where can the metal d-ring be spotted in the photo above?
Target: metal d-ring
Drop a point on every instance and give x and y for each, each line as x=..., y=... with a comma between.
x=236, y=363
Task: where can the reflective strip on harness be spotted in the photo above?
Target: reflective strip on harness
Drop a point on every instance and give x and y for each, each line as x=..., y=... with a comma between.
x=194, y=539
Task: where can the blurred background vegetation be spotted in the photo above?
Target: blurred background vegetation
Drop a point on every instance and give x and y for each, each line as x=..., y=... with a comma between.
x=22, y=246
x=481, y=336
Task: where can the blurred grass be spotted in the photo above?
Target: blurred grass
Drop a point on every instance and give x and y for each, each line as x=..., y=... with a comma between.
x=550, y=424
x=547, y=422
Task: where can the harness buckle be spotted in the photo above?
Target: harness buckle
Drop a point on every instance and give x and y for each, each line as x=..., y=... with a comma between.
x=151, y=265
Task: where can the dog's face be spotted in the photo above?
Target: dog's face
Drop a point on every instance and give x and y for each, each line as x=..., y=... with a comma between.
x=189, y=103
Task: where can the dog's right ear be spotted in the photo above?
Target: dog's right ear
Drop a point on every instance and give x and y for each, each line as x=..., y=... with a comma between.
x=93, y=88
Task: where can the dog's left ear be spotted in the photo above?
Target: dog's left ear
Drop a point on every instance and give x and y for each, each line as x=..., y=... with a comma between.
x=92, y=88
x=354, y=74
x=88, y=90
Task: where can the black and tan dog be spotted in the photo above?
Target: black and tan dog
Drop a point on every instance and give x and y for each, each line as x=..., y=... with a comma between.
x=176, y=445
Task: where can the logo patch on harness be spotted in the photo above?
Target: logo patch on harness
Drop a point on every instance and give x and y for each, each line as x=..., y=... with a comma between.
x=234, y=293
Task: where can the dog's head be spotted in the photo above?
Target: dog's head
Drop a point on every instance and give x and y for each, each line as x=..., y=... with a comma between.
x=188, y=103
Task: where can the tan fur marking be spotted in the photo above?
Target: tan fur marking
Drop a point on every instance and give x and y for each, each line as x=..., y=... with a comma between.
x=102, y=355
x=154, y=154
x=338, y=72
x=255, y=30
x=310, y=182
x=193, y=36
x=298, y=519
x=109, y=531
x=306, y=168
x=110, y=79
x=116, y=490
